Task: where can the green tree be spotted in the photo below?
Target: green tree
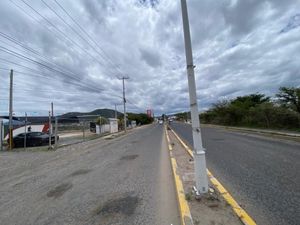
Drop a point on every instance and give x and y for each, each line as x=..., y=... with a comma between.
x=248, y=101
x=140, y=118
x=101, y=121
x=289, y=97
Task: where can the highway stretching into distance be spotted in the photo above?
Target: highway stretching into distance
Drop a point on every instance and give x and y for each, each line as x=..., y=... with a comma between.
x=124, y=180
x=128, y=179
x=262, y=173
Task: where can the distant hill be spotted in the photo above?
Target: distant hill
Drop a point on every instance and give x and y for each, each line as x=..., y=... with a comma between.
x=64, y=118
x=107, y=113
x=74, y=117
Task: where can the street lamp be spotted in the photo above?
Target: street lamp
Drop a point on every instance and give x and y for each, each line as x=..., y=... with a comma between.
x=199, y=151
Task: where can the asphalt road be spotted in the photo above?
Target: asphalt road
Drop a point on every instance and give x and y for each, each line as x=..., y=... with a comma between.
x=125, y=180
x=261, y=173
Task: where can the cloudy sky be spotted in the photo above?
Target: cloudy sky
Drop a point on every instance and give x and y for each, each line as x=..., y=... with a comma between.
x=73, y=52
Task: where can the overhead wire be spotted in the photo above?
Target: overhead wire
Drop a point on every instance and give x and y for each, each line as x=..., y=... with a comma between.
x=54, y=90
x=28, y=48
x=31, y=16
x=18, y=55
x=32, y=50
x=48, y=60
x=137, y=107
x=87, y=34
x=62, y=33
x=44, y=64
x=74, y=30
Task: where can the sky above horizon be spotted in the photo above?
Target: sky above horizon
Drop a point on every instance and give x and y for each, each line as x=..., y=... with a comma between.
x=73, y=53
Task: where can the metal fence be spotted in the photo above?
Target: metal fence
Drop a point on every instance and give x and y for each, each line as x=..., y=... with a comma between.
x=61, y=132
x=70, y=131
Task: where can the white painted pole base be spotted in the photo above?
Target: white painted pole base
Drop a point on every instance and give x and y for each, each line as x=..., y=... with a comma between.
x=200, y=172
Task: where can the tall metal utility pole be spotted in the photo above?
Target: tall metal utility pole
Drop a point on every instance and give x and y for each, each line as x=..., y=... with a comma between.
x=11, y=110
x=1, y=135
x=116, y=114
x=100, y=125
x=52, y=112
x=25, y=136
x=50, y=130
x=199, y=151
x=52, y=115
x=124, y=102
x=56, y=124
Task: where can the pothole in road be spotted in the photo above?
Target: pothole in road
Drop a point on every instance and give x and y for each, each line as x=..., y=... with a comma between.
x=124, y=205
x=80, y=172
x=59, y=190
x=129, y=157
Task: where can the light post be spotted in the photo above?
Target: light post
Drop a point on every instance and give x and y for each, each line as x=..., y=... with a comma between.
x=199, y=151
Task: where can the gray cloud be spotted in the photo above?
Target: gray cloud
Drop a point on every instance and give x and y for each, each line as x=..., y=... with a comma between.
x=240, y=47
x=152, y=58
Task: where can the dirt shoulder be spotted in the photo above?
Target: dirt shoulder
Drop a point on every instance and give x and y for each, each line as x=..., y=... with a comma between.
x=211, y=209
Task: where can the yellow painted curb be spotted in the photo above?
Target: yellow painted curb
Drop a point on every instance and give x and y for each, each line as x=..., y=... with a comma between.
x=184, y=209
x=183, y=144
x=240, y=212
x=168, y=139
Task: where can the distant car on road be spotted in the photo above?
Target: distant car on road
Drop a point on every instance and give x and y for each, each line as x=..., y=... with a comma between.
x=32, y=139
x=160, y=122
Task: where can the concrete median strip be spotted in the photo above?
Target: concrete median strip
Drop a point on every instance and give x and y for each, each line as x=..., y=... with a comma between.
x=184, y=209
x=239, y=211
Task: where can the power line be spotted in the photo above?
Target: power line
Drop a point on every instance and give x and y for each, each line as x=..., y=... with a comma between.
x=62, y=33
x=47, y=77
x=45, y=63
x=31, y=16
x=42, y=90
x=87, y=34
x=74, y=30
x=48, y=60
x=59, y=31
x=31, y=50
x=18, y=55
x=137, y=107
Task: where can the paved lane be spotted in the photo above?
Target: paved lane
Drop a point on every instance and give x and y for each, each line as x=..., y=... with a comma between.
x=126, y=180
x=261, y=173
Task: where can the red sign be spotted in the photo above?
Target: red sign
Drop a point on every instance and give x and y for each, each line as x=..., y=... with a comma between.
x=149, y=113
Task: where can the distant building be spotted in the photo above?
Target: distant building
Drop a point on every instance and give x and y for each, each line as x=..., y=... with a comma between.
x=149, y=113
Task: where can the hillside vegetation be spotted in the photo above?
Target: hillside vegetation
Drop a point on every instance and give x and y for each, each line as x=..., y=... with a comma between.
x=258, y=110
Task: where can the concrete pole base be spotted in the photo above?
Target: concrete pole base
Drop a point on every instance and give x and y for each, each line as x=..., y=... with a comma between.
x=200, y=172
